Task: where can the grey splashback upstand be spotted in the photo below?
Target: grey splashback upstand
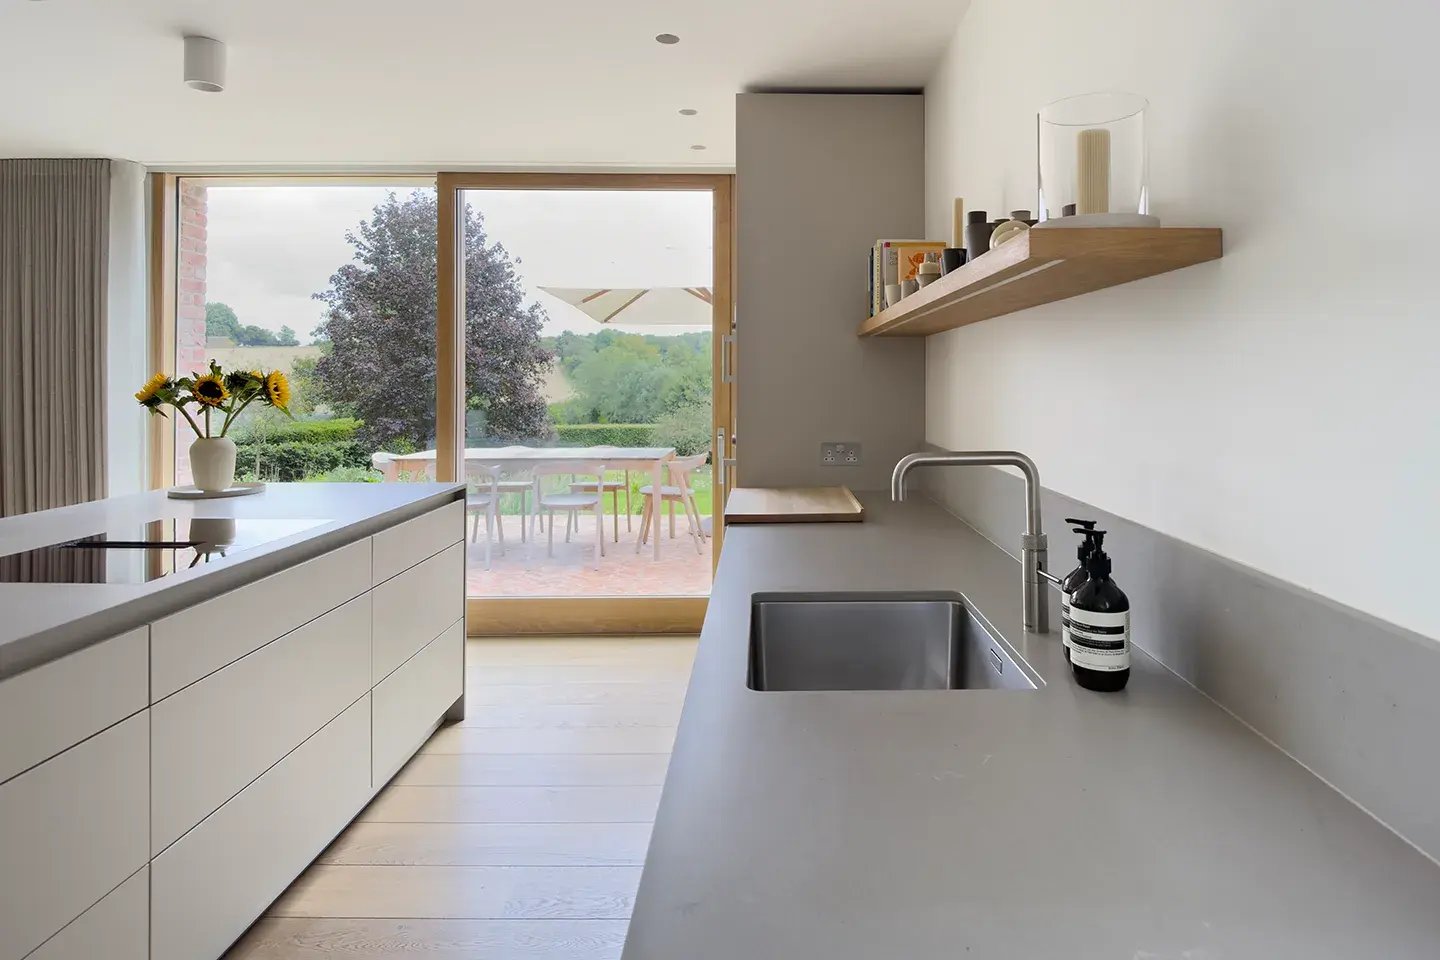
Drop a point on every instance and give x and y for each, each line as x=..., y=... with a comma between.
x=1354, y=699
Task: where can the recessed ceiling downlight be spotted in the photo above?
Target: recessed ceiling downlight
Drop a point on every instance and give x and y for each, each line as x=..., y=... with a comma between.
x=666, y=38
x=688, y=111
x=204, y=64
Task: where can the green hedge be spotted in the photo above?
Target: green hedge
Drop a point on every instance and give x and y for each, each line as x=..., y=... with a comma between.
x=305, y=431
x=605, y=434
x=291, y=460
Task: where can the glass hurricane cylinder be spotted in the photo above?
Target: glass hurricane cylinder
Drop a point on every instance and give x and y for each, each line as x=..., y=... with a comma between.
x=1092, y=154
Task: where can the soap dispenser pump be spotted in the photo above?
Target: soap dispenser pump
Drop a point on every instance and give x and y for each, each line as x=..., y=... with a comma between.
x=1100, y=626
x=1072, y=580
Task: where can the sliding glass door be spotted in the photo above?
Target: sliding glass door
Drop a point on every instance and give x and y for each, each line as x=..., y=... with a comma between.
x=585, y=313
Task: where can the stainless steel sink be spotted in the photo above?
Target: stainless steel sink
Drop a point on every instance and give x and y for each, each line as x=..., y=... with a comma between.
x=877, y=641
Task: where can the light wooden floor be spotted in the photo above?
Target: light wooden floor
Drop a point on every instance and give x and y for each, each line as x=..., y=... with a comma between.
x=517, y=833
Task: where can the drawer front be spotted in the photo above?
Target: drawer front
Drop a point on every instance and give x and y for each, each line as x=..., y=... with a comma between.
x=207, y=888
x=215, y=736
x=200, y=640
x=413, y=698
x=406, y=544
x=71, y=830
x=416, y=607
x=53, y=707
x=116, y=928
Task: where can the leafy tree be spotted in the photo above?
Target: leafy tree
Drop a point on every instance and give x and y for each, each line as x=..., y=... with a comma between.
x=631, y=378
x=380, y=321
x=220, y=321
x=686, y=428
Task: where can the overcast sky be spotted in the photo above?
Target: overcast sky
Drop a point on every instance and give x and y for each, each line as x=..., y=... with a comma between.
x=271, y=248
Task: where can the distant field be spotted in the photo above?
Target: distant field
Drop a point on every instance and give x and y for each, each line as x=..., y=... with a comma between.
x=264, y=358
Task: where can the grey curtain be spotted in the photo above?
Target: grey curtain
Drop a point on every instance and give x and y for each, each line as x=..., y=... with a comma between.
x=54, y=243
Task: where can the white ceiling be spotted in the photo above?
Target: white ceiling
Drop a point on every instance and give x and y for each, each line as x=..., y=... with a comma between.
x=438, y=83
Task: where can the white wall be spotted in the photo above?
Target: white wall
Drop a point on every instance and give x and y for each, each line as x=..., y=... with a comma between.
x=1279, y=406
x=126, y=331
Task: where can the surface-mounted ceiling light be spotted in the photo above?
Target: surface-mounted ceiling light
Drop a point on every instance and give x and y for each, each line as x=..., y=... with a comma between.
x=666, y=38
x=688, y=111
x=204, y=64
x=697, y=146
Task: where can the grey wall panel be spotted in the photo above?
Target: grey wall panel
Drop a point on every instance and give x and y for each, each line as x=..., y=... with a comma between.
x=819, y=178
x=1351, y=697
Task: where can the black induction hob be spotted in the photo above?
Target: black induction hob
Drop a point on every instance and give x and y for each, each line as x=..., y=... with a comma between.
x=145, y=551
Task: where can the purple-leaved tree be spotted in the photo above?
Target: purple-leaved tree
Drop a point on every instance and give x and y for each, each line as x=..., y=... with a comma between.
x=380, y=324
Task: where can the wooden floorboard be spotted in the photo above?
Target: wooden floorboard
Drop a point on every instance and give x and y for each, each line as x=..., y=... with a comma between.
x=578, y=693
x=467, y=893
x=491, y=844
x=458, y=739
x=504, y=673
x=284, y=938
x=579, y=651
x=534, y=769
x=570, y=716
x=517, y=834
x=410, y=804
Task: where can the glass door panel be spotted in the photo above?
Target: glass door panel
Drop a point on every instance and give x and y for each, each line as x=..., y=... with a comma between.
x=588, y=317
x=333, y=286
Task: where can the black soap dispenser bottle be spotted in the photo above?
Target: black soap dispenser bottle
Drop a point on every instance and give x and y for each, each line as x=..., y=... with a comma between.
x=1072, y=580
x=1100, y=626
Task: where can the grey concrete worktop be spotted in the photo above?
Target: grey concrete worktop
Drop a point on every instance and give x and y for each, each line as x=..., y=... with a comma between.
x=994, y=824
x=40, y=622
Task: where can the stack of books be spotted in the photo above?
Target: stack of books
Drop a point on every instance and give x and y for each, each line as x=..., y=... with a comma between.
x=895, y=261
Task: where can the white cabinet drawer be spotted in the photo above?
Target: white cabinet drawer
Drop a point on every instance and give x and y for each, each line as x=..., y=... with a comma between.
x=71, y=830
x=200, y=640
x=207, y=888
x=406, y=544
x=53, y=707
x=215, y=736
x=416, y=607
x=116, y=928
x=413, y=698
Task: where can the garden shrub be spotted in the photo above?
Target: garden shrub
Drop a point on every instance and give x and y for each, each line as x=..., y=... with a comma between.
x=291, y=460
x=686, y=428
x=302, y=431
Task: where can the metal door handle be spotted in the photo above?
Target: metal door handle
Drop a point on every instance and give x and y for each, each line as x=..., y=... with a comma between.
x=727, y=344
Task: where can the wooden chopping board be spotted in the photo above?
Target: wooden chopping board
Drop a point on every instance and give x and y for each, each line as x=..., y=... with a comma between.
x=793, y=505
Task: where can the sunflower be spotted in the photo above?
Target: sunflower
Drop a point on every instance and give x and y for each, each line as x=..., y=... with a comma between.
x=210, y=390
x=149, y=394
x=277, y=389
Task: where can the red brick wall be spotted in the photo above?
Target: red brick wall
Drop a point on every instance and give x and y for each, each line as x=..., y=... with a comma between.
x=190, y=353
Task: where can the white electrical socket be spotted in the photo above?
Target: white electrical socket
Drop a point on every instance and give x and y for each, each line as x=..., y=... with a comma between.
x=840, y=454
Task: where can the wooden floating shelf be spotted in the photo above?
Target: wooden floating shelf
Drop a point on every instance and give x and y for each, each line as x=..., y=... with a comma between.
x=1042, y=266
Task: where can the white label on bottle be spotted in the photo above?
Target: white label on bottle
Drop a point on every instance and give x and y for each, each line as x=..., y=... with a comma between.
x=1065, y=617
x=1100, y=641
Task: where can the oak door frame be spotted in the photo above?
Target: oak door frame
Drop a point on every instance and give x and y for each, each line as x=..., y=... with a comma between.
x=574, y=615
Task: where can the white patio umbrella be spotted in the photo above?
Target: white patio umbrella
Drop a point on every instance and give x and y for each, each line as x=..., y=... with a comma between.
x=643, y=306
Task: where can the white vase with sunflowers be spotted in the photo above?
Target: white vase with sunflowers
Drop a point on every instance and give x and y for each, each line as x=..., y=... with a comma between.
x=218, y=399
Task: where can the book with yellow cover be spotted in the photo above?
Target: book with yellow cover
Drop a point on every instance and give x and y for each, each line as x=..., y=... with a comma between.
x=911, y=255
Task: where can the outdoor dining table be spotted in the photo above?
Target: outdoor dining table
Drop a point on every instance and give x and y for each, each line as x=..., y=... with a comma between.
x=650, y=459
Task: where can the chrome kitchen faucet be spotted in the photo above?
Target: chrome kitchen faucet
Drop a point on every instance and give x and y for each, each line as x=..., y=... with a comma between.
x=1033, y=547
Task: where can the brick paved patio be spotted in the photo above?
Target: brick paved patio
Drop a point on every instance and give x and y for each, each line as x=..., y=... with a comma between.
x=526, y=571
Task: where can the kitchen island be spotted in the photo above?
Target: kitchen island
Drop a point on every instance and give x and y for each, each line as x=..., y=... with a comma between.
x=199, y=695
x=1056, y=822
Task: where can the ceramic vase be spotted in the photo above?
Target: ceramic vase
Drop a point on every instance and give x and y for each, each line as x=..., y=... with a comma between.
x=212, y=463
